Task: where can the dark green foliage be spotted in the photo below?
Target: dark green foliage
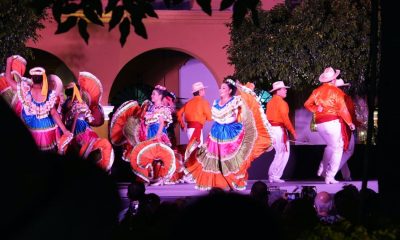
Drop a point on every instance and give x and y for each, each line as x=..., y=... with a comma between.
x=295, y=46
x=18, y=24
x=127, y=11
x=82, y=25
x=344, y=230
x=205, y=6
x=66, y=25
x=124, y=29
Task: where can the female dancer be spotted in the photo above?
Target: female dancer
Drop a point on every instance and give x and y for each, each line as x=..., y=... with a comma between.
x=77, y=115
x=153, y=160
x=79, y=119
x=240, y=133
x=38, y=111
x=18, y=67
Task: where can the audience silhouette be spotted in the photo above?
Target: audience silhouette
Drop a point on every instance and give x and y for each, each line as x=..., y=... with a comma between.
x=51, y=196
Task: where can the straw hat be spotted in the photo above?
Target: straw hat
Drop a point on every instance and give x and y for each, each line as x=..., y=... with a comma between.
x=278, y=85
x=197, y=86
x=340, y=83
x=329, y=74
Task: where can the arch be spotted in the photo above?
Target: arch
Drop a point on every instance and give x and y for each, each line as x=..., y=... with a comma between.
x=196, y=56
x=164, y=66
x=182, y=50
x=156, y=66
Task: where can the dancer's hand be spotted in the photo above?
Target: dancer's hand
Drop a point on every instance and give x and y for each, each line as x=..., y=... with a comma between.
x=67, y=133
x=352, y=127
x=320, y=108
x=294, y=137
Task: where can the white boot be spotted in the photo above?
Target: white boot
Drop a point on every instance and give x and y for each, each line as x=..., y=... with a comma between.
x=331, y=180
x=276, y=180
x=320, y=170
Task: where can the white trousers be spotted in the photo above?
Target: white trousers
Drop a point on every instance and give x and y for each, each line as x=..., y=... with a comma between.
x=281, y=154
x=332, y=134
x=189, y=133
x=344, y=168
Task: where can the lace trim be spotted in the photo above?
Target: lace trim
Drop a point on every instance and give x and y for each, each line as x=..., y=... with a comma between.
x=80, y=108
x=155, y=112
x=228, y=110
x=31, y=107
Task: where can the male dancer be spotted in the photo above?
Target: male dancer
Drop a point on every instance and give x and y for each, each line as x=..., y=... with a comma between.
x=331, y=115
x=278, y=115
x=344, y=168
x=195, y=112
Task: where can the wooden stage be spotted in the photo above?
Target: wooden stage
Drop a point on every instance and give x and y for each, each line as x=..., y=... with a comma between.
x=173, y=192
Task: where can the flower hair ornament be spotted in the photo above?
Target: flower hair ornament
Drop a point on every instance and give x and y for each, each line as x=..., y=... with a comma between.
x=169, y=99
x=171, y=95
x=39, y=71
x=160, y=87
x=230, y=81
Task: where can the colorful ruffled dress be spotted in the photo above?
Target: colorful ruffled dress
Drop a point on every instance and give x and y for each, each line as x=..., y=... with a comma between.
x=106, y=158
x=240, y=134
x=152, y=160
x=36, y=116
x=83, y=133
x=5, y=90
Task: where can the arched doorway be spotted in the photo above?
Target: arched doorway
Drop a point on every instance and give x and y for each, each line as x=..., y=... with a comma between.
x=172, y=68
x=159, y=66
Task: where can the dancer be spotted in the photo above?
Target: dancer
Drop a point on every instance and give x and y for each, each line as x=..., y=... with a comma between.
x=331, y=115
x=158, y=116
x=82, y=99
x=344, y=168
x=240, y=133
x=142, y=131
x=169, y=101
x=77, y=115
x=38, y=111
x=195, y=113
x=18, y=67
x=167, y=164
x=278, y=115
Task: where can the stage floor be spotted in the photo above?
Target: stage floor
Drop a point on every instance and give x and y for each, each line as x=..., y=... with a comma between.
x=172, y=192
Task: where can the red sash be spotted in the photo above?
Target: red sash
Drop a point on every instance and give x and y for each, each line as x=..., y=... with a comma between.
x=197, y=130
x=325, y=118
x=285, y=134
x=346, y=132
